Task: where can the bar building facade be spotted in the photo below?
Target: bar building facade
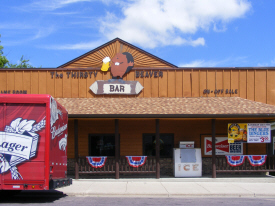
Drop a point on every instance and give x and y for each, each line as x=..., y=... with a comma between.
x=163, y=105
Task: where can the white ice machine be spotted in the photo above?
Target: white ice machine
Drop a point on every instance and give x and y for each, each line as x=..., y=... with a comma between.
x=187, y=162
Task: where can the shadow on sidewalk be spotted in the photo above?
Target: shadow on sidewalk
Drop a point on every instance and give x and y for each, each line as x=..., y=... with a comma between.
x=30, y=196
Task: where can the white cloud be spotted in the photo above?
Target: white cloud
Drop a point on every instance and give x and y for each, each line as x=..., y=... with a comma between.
x=214, y=63
x=15, y=26
x=28, y=32
x=262, y=65
x=269, y=64
x=63, y=13
x=219, y=29
x=153, y=23
x=50, y=5
x=78, y=46
x=43, y=32
x=200, y=63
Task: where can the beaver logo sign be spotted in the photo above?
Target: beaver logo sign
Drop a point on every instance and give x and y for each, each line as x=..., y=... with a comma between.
x=119, y=65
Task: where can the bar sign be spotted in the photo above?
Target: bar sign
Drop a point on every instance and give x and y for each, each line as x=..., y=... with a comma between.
x=116, y=88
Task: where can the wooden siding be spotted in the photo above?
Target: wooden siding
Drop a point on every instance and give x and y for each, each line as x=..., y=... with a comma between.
x=252, y=84
x=94, y=59
x=132, y=130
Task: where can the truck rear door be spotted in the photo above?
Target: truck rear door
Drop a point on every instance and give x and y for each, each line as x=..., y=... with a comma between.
x=1, y=142
x=23, y=146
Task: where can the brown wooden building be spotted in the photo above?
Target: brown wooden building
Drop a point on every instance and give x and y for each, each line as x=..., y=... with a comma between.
x=171, y=104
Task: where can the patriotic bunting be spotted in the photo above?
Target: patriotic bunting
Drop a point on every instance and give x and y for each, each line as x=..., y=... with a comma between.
x=136, y=161
x=96, y=162
x=237, y=160
x=256, y=160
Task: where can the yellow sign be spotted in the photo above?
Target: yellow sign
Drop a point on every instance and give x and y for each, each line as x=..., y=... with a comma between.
x=237, y=132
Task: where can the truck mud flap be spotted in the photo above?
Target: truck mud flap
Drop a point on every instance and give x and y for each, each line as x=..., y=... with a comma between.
x=60, y=183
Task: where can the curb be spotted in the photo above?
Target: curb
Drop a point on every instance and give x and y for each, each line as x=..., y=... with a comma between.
x=171, y=195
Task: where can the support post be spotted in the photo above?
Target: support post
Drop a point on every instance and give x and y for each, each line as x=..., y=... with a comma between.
x=117, y=148
x=157, y=150
x=76, y=148
x=213, y=148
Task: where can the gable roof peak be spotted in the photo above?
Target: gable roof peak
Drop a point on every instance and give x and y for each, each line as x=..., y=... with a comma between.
x=94, y=57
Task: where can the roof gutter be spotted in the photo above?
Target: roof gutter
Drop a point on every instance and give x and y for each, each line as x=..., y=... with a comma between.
x=213, y=116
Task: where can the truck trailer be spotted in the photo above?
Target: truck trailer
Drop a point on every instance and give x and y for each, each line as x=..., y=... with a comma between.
x=33, y=142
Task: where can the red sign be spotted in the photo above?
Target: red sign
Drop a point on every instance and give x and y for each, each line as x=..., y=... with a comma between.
x=222, y=146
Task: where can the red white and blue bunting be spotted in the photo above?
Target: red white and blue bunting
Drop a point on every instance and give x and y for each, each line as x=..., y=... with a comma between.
x=237, y=160
x=136, y=161
x=256, y=160
x=96, y=162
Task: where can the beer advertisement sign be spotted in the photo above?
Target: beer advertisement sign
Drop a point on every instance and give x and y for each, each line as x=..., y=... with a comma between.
x=249, y=132
x=237, y=132
x=259, y=133
x=222, y=146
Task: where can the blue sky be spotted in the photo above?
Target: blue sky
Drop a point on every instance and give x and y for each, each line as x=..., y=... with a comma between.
x=187, y=33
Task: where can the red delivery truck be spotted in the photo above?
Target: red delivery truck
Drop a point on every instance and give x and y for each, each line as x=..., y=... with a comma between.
x=33, y=143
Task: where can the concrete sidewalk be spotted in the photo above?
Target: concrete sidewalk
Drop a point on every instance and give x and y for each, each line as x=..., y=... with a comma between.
x=173, y=187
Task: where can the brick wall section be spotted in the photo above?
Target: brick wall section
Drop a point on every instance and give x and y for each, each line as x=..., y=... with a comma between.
x=70, y=167
x=166, y=167
x=207, y=166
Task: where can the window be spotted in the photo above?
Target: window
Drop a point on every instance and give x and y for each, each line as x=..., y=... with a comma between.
x=102, y=145
x=166, y=145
